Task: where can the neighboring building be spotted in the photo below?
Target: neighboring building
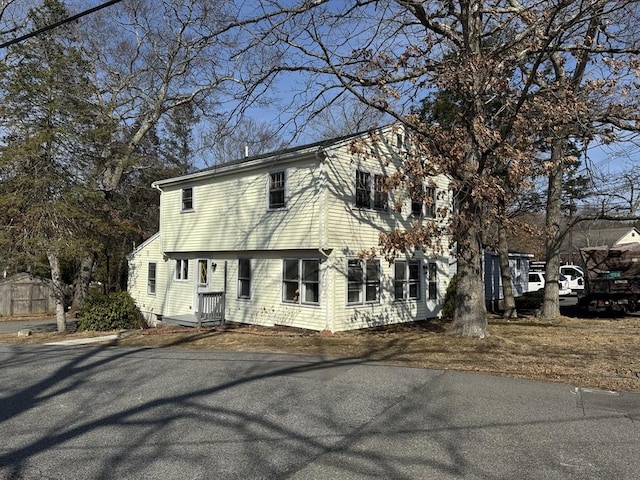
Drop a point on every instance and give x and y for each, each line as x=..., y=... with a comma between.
x=519, y=267
x=585, y=236
x=630, y=236
x=281, y=235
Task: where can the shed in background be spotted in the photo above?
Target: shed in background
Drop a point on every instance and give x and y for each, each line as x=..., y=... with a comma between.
x=519, y=266
x=23, y=294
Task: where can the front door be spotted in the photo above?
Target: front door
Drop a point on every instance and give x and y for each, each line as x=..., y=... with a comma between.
x=203, y=280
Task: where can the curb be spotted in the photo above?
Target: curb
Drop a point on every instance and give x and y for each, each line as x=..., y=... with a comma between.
x=83, y=341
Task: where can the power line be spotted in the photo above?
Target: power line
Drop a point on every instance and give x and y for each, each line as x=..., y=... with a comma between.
x=57, y=24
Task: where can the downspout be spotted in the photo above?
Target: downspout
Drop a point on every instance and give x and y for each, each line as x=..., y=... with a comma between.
x=157, y=187
x=321, y=156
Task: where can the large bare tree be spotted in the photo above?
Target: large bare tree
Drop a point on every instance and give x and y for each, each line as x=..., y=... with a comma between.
x=388, y=54
x=154, y=61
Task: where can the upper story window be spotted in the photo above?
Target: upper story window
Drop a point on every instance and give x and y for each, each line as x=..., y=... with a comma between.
x=182, y=269
x=277, y=190
x=301, y=281
x=363, y=281
x=371, y=191
x=380, y=194
x=244, y=278
x=406, y=284
x=363, y=193
x=187, y=199
x=425, y=205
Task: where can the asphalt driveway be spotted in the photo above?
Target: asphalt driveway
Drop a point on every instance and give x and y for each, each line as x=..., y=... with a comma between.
x=117, y=413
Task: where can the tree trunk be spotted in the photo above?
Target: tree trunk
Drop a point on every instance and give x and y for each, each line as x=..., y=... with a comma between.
x=551, y=304
x=82, y=281
x=58, y=291
x=470, y=317
x=505, y=273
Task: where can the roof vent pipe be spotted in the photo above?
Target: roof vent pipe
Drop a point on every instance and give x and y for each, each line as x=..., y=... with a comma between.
x=246, y=151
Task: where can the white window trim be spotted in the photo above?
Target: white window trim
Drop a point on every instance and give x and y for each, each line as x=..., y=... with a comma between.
x=238, y=289
x=193, y=200
x=435, y=281
x=180, y=270
x=155, y=278
x=406, y=289
x=371, y=189
x=199, y=263
x=363, y=292
x=285, y=174
x=423, y=207
x=301, y=284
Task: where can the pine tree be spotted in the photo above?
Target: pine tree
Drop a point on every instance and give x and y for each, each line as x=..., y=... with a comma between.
x=49, y=137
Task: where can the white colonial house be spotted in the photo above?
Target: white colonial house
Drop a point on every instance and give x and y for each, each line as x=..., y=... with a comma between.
x=276, y=240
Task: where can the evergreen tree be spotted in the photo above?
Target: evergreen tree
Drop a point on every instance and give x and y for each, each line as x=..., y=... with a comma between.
x=50, y=134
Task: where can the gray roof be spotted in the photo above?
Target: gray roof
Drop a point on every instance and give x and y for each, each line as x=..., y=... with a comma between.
x=258, y=160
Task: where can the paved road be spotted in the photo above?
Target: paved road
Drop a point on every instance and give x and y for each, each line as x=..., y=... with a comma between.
x=35, y=325
x=101, y=412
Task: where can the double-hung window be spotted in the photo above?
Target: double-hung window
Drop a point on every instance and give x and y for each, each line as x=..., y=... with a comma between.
x=363, y=189
x=182, y=269
x=380, y=194
x=363, y=281
x=244, y=278
x=424, y=203
x=406, y=280
x=371, y=191
x=277, y=190
x=151, y=279
x=301, y=281
x=187, y=199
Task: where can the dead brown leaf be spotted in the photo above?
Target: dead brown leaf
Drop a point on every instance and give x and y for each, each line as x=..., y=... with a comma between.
x=599, y=353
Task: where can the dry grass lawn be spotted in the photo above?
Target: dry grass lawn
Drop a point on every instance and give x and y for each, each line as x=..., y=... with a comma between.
x=600, y=353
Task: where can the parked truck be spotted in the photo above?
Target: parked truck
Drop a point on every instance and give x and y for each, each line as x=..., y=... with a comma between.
x=612, y=278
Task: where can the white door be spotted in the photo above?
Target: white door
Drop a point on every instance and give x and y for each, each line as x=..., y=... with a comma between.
x=202, y=281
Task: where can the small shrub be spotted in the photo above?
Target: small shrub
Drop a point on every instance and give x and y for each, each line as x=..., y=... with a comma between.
x=449, y=306
x=115, y=311
x=530, y=300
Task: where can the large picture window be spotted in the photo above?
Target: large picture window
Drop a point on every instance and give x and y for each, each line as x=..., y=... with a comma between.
x=244, y=278
x=277, y=190
x=187, y=199
x=151, y=279
x=301, y=281
x=406, y=284
x=363, y=281
x=182, y=269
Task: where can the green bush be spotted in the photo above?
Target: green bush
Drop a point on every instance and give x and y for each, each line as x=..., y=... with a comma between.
x=449, y=306
x=115, y=311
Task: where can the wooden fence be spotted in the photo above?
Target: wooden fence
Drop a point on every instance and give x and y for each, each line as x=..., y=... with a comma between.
x=23, y=295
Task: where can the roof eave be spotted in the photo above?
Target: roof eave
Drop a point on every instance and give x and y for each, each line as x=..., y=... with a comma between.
x=223, y=169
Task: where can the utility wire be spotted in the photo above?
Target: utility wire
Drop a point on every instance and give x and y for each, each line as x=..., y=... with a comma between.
x=57, y=24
